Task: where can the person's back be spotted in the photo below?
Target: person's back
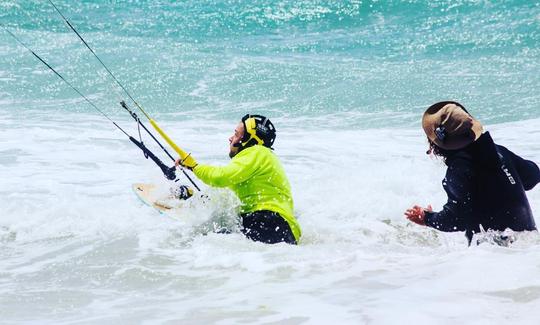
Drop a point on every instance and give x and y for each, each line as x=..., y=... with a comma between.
x=268, y=188
x=496, y=180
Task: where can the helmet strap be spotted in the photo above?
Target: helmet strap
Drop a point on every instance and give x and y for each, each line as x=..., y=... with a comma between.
x=250, y=137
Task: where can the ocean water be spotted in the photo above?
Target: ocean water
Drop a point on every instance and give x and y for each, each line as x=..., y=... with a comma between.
x=345, y=83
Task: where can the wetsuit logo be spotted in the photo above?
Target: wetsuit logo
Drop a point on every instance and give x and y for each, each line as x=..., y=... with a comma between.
x=507, y=173
x=505, y=170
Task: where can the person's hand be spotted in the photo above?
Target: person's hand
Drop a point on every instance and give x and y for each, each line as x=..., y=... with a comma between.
x=188, y=161
x=417, y=214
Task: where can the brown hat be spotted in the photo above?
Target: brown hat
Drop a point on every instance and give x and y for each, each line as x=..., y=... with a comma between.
x=450, y=126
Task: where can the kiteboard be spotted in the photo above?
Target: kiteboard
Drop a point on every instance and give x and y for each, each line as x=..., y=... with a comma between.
x=195, y=212
x=151, y=196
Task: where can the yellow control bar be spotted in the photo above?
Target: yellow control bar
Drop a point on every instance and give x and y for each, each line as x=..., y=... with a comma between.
x=171, y=143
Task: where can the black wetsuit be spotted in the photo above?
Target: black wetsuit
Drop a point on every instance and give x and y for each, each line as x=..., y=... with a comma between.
x=267, y=227
x=486, y=186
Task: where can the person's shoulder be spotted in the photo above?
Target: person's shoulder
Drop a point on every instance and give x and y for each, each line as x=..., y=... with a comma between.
x=460, y=164
x=503, y=150
x=261, y=153
x=259, y=150
x=461, y=157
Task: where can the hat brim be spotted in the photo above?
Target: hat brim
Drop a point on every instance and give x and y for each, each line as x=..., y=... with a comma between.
x=455, y=142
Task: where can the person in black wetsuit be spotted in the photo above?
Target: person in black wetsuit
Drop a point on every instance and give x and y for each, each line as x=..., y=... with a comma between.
x=485, y=182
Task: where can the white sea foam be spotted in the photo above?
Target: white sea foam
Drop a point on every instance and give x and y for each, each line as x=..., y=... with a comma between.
x=76, y=245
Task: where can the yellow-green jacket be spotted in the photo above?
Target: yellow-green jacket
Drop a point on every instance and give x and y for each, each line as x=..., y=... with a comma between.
x=258, y=179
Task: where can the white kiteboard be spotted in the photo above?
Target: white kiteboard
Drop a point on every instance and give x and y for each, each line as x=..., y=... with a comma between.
x=197, y=211
x=150, y=195
x=163, y=200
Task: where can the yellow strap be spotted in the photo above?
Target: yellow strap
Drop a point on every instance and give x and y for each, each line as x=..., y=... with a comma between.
x=173, y=145
x=251, y=128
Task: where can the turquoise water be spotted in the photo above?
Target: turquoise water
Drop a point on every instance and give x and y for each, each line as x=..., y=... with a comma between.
x=361, y=63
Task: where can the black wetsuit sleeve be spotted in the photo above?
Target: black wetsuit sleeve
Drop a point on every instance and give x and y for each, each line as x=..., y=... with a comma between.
x=457, y=212
x=528, y=171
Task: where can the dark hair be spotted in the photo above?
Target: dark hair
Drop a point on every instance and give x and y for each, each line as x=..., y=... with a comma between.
x=438, y=151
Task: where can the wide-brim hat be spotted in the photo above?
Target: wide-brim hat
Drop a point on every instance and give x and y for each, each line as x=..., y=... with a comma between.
x=450, y=126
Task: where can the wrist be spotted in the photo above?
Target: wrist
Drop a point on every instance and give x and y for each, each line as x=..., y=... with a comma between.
x=427, y=216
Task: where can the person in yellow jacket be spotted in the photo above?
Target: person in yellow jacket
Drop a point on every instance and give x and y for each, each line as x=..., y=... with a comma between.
x=256, y=176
